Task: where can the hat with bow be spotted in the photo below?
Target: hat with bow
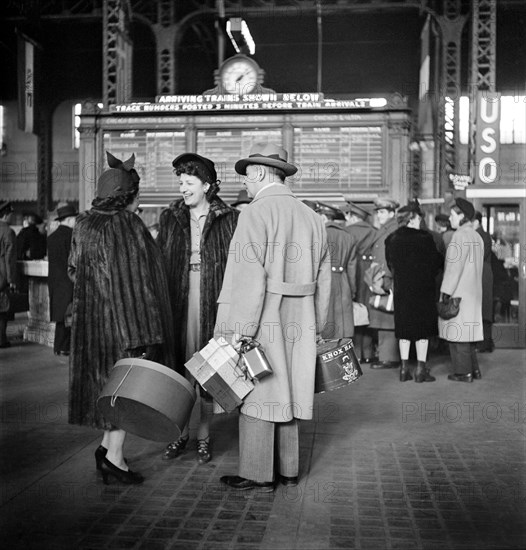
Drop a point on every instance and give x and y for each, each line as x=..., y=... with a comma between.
x=119, y=179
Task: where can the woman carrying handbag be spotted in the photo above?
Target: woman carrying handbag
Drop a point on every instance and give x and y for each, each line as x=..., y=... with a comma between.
x=414, y=261
x=463, y=279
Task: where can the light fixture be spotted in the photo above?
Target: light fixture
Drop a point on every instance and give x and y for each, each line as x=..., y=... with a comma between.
x=239, y=34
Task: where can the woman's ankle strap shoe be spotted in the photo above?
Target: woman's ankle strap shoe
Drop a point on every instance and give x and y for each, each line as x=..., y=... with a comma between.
x=175, y=448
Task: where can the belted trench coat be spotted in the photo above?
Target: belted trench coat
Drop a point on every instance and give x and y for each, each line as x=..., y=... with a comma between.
x=276, y=288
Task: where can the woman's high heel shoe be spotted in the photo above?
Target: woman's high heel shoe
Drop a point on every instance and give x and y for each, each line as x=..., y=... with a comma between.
x=100, y=453
x=108, y=469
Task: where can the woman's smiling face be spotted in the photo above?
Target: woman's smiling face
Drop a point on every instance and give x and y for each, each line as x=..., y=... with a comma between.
x=193, y=190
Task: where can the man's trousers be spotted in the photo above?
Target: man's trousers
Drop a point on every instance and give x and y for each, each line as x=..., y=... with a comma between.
x=267, y=448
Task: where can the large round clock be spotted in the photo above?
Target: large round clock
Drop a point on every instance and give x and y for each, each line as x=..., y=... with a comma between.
x=239, y=75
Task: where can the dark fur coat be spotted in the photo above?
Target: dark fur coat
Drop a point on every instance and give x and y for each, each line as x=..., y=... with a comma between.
x=414, y=260
x=175, y=244
x=120, y=304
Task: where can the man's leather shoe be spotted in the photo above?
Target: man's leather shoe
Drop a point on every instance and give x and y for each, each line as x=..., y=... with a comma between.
x=477, y=375
x=386, y=365
x=242, y=484
x=460, y=377
x=288, y=481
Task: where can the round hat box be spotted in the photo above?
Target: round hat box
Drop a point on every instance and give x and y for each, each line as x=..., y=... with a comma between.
x=336, y=365
x=147, y=399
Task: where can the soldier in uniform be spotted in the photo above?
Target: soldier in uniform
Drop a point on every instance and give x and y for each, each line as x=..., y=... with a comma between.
x=342, y=247
x=364, y=235
x=388, y=352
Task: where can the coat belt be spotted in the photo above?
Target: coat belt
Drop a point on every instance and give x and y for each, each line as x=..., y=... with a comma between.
x=290, y=289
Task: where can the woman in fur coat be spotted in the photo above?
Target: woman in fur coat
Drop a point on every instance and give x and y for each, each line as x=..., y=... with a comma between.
x=120, y=306
x=414, y=261
x=194, y=237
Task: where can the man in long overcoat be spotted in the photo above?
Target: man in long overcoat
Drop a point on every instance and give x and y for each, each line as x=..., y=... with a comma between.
x=7, y=269
x=59, y=284
x=364, y=235
x=487, y=287
x=276, y=288
x=388, y=352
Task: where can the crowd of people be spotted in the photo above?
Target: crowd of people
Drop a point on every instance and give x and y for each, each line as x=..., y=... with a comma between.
x=290, y=273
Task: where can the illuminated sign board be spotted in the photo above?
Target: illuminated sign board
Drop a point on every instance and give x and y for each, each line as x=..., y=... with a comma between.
x=487, y=170
x=248, y=102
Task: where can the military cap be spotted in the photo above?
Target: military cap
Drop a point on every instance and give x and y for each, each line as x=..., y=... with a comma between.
x=353, y=208
x=388, y=204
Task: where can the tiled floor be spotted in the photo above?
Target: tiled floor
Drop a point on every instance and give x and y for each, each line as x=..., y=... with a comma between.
x=383, y=465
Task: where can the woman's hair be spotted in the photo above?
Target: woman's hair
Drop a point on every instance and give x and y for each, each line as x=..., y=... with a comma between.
x=197, y=169
x=119, y=202
x=465, y=219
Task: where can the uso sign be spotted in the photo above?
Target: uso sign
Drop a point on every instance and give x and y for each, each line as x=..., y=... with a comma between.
x=487, y=170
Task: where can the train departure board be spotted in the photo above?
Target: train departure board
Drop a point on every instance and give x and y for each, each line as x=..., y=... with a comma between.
x=154, y=153
x=339, y=158
x=226, y=146
x=329, y=158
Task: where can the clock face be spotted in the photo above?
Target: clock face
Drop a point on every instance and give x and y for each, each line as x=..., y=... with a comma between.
x=239, y=77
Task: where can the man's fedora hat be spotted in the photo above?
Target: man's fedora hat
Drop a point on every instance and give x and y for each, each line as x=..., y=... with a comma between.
x=209, y=170
x=267, y=154
x=65, y=212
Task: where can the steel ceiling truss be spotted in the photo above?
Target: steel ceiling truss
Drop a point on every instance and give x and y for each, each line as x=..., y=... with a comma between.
x=117, y=52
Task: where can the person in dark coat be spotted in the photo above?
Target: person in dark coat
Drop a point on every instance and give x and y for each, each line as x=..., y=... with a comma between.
x=364, y=234
x=8, y=277
x=414, y=261
x=194, y=237
x=388, y=353
x=342, y=249
x=120, y=304
x=487, y=287
x=31, y=242
x=59, y=284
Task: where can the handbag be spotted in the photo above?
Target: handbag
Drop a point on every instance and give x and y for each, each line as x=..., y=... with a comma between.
x=448, y=307
x=360, y=314
x=383, y=303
